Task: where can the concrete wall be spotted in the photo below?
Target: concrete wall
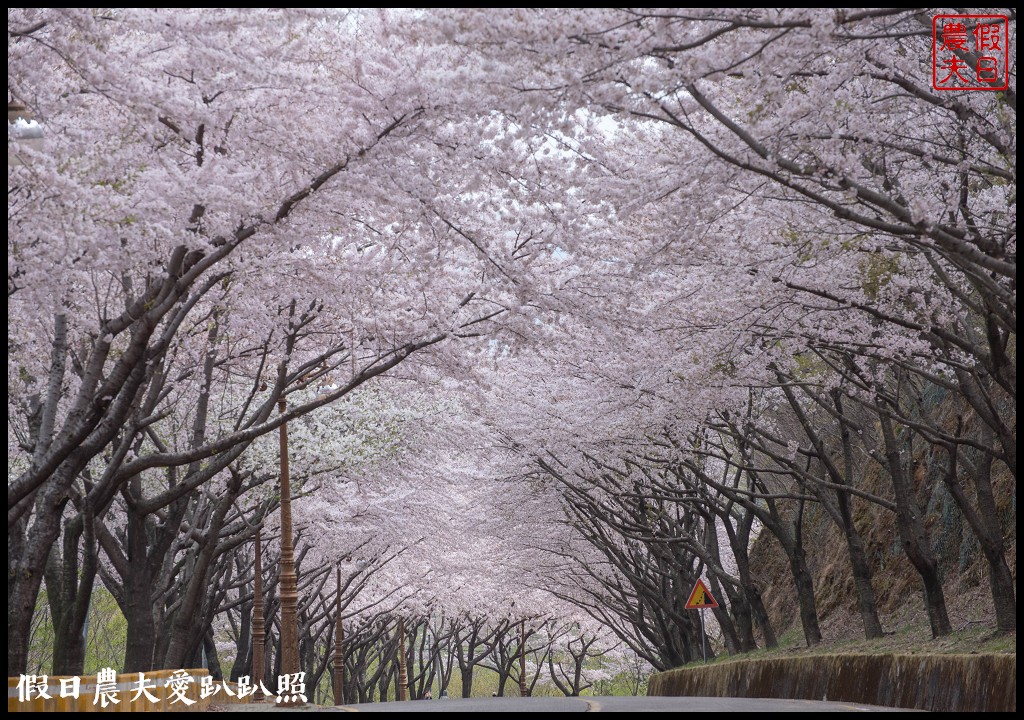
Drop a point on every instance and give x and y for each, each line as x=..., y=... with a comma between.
x=926, y=682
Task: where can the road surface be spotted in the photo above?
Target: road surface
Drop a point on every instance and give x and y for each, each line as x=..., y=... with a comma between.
x=590, y=704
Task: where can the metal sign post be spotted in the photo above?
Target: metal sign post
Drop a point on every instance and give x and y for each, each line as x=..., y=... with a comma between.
x=700, y=598
x=703, y=637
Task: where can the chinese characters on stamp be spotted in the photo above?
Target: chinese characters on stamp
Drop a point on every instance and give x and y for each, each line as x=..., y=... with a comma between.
x=970, y=52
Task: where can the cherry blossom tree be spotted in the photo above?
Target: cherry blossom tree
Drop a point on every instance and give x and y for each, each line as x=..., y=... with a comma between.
x=562, y=308
x=842, y=206
x=240, y=204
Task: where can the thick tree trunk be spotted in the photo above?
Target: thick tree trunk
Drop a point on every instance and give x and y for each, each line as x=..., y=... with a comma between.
x=69, y=590
x=141, y=642
x=384, y=686
x=243, y=644
x=1003, y=595
x=20, y=606
x=913, y=534
x=183, y=629
x=838, y=508
x=212, y=658
x=740, y=544
x=837, y=502
x=764, y=622
x=69, y=654
x=862, y=576
x=859, y=564
x=984, y=523
x=805, y=595
x=725, y=622
x=737, y=610
x=28, y=547
x=792, y=544
x=743, y=621
x=25, y=575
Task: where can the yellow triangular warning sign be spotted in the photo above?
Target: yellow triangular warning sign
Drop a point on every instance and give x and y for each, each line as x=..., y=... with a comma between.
x=700, y=597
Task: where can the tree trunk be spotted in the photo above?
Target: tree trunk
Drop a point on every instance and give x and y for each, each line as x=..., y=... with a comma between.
x=859, y=565
x=25, y=574
x=984, y=523
x=212, y=658
x=183, y=635
x=913, y=533
x=384, y=685
x=792, y=544
x=69, y=591
x=861, y=568
x=140, y=646
x=740, y=544
x=805, y=595
x=243, y=644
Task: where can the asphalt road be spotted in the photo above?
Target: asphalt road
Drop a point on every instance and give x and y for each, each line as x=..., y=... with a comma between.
x=593, y=704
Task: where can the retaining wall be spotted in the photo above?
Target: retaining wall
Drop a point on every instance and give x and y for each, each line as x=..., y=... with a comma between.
x=926, y=682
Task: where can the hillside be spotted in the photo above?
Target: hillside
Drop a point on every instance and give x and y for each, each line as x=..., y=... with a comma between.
x=897, y=585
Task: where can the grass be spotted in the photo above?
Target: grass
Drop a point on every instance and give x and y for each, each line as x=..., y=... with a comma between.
x=911, y=638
